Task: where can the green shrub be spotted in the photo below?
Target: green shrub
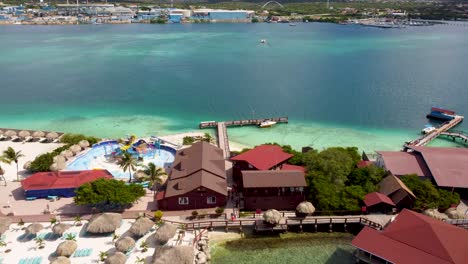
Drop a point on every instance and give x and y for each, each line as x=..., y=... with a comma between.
x=194, y=213
x=158, y=215
x=42, y=162
x=158, y=20
x=188, y=140
x=76, y=138
x=219, y=210
x=255, y=20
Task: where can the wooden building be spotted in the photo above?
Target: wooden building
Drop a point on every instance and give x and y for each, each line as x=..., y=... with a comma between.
x=378, y=203
x=397, y=191
x=272, y=189
x=197, y=179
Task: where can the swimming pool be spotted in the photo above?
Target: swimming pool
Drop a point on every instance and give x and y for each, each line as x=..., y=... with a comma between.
x=97, y=158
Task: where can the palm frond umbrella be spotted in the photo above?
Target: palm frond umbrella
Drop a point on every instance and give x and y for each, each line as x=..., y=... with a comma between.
x=10, y=133
x=2, y=132
x=67, y=153
x=104, y=223
x=59, y=159
x=141, y=226
x=272, y=216
x=165, y=232
x=52, y=135
x=176, y=254
x=163, y=179
x=140, y=176
x=24, y=134
x=61, y=260
x=117, y=258
x=34, y=228
x=125, y=244
x=54, y=167
x=83, y=144
x=38, y=134
x=5, y=223
x=59, y=229
x=27, y=165
x=75, y=149
x=305, y=208
x=66, y=248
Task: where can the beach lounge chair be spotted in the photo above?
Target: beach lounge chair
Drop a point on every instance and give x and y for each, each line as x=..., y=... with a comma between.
x=56, y=140
x=15, y=138
x=2, y=137
x=38, y=260
x=28, y=139
x=22, y=261
x=90, y=252
x=42, y=140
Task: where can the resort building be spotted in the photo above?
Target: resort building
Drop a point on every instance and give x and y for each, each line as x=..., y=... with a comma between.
x=447, y=167
x=219, y=15
x=278, y=189
x=413, y=238
x=197, y=179
x=397, y=191
x=378, y=203
x=60, y=183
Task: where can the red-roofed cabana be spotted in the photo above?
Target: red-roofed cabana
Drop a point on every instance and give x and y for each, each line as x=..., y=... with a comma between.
x=61, y=183
x=378, y=202
x=263, y=157
x=413, y=238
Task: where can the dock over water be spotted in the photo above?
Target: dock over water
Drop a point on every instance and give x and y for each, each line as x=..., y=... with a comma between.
x=442, y=130
x=221, y=129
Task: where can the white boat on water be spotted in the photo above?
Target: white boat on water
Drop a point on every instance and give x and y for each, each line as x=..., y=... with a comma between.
x=292, y=25
x=266, y=123
x=428, y=129
x=263, y=41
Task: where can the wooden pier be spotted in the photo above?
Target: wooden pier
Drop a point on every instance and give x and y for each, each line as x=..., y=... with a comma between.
x=425, y=139
x=456, y=134
x=221, y=129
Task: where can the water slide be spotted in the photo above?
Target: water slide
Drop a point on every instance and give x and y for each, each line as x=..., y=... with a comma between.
x=130, y=143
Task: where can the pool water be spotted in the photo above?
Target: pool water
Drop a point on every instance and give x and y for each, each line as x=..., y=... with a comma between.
x=96, y=158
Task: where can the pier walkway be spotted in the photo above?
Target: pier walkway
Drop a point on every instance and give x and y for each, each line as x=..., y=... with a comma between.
x=425, y=139
x=456, y=134
x=223, y=139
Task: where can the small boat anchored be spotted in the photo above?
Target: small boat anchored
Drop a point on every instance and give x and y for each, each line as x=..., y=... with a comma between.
x=263, y=41
x=267, y=123
x=292, y=24
x=428, y=129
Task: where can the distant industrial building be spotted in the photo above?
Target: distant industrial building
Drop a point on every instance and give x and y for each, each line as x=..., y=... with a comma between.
x=218, y=15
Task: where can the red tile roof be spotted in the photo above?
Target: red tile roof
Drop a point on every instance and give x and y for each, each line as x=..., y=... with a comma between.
x=289, y=167
x=62, y=179
x=375, y=198
x=416, y=238
x=364, y=163
x=264, y=157
x=448, y=166
x=403, y=163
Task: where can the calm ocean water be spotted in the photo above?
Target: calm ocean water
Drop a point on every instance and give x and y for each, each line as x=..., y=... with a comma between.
x=340, y=85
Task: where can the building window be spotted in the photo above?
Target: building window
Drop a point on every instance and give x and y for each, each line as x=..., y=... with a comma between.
x=211, y=200
x=183, y=200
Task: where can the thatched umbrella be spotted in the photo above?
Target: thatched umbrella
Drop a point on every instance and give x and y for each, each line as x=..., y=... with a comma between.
x=140, y=175
x=34, y=228
x=272, y=216
x=66, y=248
x=141, y=226
x=38, y=134
x=27, y=165
x=1, y=132
x=52, y=135
x=24, y=133
x=10, y=133
x=305, y=208
x=104, y=223
x=83, y=144
x=434, y=213
x=165, y=232
x=176, y=254
x=125, y=244
x=59, y=159
x=5, y=223
x=75, y=149
x=67, y=153
x=452, y=213
x=61, y=260
x=117, y=258
x=58, y=166
x=59, y=229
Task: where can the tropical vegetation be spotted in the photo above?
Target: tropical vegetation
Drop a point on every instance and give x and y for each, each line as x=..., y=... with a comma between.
x=73, y=139
x=128, y=163
x=9, y=156
x=154, y=174
x=108, y=194
x=43, y=162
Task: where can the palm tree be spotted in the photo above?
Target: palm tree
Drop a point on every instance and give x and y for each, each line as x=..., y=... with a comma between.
x=40, y=242
x=1, y=175
x=207, y=138
x=115, y=237
x=53, y=221
x=154, y=174
x=71, y=237
x=78, y=220
x=103, y=255
x=140, y=260
x=128, y=162
x=9, y=156
x=144, y=246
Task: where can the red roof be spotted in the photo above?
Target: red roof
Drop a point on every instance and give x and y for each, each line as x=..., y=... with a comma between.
x=364, y=163
x=416, y=238
x=264, y=157
x=403, y=163
x=160, y=195
x=289, y=167
x=375, y=198
x=62, y=179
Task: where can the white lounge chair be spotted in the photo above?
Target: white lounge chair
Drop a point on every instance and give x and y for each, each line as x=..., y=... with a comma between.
x=2, y=137
x=15, y=138
x=28, y=139
x=56, y=140
x=42, y=140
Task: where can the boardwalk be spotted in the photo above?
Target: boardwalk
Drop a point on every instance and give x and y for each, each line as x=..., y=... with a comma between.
x=456, y=134
x=223, y=141
x=425, y=139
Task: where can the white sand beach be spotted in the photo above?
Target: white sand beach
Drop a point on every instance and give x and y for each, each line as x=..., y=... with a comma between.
x=30, y=150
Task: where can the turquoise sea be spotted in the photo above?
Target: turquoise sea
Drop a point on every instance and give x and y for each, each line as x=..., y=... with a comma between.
x=339, y=85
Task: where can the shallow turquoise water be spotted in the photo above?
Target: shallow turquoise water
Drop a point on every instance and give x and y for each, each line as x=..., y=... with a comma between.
x=340, y=85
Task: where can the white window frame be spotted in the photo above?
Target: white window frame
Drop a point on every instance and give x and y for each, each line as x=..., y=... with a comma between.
x=182, y=200
x=210, y=202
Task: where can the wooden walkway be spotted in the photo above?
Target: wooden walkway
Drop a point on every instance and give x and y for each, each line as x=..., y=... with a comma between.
x=456, y=134
x=463, y=223
x=425, y=139
x=223, y=140
x=259, y=224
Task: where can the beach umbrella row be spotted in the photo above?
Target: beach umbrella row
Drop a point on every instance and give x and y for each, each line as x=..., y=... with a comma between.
x=34, y=228
x=52, y=135
x=38, y=134
x=125, y=244
x=104, y=223
x=117, y=258
x=165, y=232
x=24, y=133
x=83, y=144
x=66, y=248
x=176, y=254
x=59, y=229
x=10, y=133
x=61, y=260
x=141, y=226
